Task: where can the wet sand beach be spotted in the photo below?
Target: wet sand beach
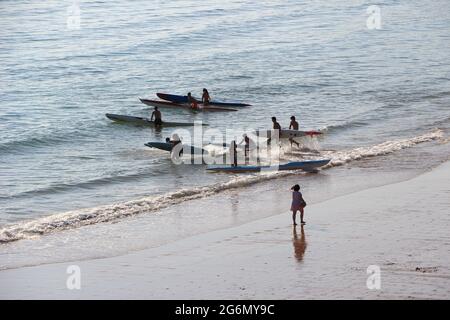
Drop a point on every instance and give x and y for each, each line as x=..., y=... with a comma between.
x=402, y=228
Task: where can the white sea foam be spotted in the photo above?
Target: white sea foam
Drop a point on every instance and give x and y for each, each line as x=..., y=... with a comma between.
x=341, y=157
x=83, y=217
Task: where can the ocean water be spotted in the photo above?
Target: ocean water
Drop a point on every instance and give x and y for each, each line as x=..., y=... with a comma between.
x=381, y=96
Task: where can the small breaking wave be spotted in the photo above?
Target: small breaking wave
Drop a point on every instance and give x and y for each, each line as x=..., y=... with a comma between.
x=342, y=157
x=343, y=126
x=107, y=213
x=84, y=217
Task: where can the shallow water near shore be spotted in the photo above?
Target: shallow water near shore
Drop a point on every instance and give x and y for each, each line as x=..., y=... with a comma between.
x=382, y=229
x=217, y=210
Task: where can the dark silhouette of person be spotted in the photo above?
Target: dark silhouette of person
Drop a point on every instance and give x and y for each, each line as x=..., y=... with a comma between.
x=276, y=125
x=158, y=117
x=293, y=125
x=205, y=97
x=233, y=153
x=299, y=243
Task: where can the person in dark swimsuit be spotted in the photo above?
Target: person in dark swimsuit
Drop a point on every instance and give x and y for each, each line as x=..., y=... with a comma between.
x=205, y=97
x=276, y=125
x=293, y=126
x=233, y=153
x=192, y=101
x=158, y=117
x=246, y=139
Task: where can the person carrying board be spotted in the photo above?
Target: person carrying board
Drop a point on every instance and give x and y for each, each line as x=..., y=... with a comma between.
x=276, y=125
x=293, y=126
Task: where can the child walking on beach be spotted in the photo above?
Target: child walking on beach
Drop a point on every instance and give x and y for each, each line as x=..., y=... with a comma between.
x=298, y=204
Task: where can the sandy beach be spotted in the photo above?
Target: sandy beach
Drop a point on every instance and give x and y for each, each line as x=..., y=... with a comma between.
x=402, y=228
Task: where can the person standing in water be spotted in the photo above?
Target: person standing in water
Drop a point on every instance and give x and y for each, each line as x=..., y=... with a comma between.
x=174, y=141
x=298, y=204
x=247, y=142
x=205, y=97
x=192, y=101
x=293, y=126
x=233, y=153
x=276, y=125
x=158, y=117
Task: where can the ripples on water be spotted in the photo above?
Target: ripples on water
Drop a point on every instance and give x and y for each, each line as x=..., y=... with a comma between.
x=316, y=60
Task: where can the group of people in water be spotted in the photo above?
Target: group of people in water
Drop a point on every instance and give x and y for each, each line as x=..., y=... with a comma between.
x=249, y=143
x=194, y=103
x=156, y=114
x=293, y=125
x=298, y=203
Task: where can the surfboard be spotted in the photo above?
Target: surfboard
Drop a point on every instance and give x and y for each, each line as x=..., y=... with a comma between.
x=139, y=121
x=166, y=146
x=309, y=165
x=287, y=133
x=184, y=99
x=172, y=105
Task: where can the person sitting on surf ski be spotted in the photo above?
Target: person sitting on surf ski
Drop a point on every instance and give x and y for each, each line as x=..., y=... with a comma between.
x=205, y=97
x=298, y=204
x=192, y=101
x=171, y=141
x=158, y=118
x=293, y=126
x=175, y=139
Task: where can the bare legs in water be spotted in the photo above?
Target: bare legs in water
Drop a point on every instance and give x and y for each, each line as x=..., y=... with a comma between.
x=294, y=214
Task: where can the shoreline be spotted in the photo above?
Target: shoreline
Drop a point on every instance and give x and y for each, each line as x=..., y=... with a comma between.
x=232, y=207
x=268, y=259
x=113, y=212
